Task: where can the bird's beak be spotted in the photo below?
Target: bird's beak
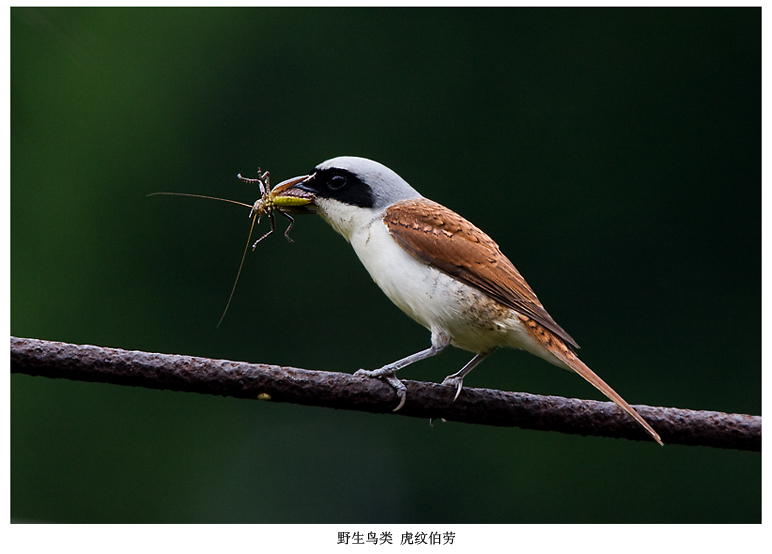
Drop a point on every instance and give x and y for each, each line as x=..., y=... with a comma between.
x=291, y=197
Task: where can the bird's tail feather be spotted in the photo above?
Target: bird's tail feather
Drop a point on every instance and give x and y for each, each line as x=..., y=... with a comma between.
x=581, y=368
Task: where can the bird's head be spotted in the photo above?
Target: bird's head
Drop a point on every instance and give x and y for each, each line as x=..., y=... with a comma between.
x=346, y=191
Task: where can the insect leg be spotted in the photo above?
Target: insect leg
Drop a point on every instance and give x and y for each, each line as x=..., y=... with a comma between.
x=247, y=179
x=291, y=223
x=273, y=227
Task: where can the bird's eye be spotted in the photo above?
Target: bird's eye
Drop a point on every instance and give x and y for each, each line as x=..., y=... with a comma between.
x=337, y=182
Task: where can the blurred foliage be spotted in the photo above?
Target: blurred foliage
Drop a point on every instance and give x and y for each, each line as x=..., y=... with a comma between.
x=614, y=154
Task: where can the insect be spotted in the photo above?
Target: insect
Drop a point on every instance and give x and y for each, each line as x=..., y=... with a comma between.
x=270, y=201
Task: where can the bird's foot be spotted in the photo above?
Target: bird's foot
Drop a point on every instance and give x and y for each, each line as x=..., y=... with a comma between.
x=452, y=381
x=388, y=375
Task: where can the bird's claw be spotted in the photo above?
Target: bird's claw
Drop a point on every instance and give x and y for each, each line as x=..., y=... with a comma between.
x=454, y=382
x=390, y=377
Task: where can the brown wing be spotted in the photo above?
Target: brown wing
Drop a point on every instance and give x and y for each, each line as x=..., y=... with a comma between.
x=436, y=235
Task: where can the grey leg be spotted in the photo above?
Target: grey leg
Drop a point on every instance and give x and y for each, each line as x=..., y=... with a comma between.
x=457, y=379
x=440, y=341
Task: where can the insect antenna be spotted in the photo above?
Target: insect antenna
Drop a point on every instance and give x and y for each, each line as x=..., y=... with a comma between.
x=241, y=265
x=200, y=196
x=255, y=214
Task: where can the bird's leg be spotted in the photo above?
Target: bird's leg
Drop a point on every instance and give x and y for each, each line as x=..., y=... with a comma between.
x=457, y=379
x=440, y=341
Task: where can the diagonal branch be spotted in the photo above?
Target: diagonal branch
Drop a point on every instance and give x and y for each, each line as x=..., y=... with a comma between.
x=344, y=391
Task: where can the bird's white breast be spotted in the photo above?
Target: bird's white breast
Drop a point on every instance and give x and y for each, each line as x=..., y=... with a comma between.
x=434, y=299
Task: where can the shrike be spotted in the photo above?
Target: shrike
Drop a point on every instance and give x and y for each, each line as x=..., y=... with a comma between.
x=440, y=269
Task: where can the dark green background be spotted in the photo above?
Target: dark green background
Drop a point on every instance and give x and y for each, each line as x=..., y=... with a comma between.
x=613, y=154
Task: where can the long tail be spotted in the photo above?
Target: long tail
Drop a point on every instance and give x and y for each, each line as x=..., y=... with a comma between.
x=573, y=361
x=562, y=354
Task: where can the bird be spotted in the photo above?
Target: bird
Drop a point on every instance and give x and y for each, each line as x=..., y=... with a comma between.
x=440, y=269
